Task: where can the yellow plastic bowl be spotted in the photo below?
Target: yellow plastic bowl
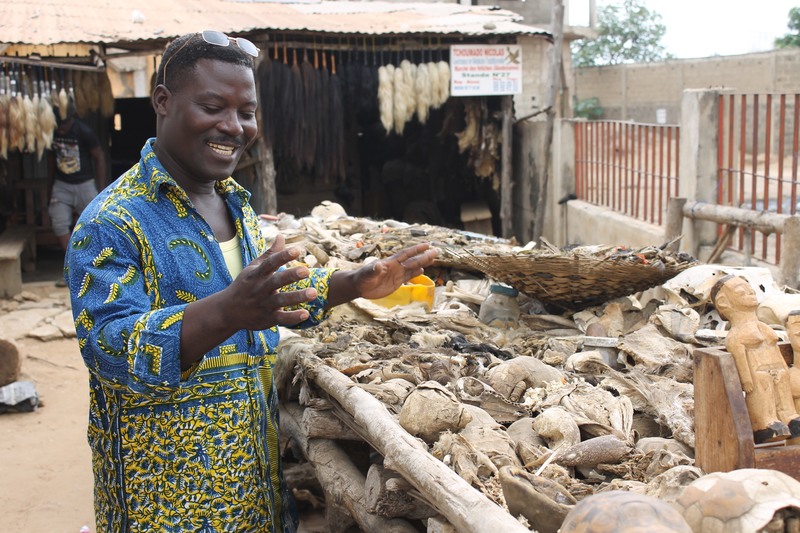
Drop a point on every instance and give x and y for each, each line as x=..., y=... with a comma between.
x=418, y=289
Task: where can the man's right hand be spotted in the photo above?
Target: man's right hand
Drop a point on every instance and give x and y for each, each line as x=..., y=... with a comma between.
x=254, y=299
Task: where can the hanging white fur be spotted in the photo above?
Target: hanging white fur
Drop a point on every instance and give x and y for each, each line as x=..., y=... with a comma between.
x=29, y=122
x=63, y=103
x=47, y=124
x=423, y=89
x=386, y=96
x=444, y=81
x=3, y=119
x=410, y=81
x=433, y=91
x=400, y=101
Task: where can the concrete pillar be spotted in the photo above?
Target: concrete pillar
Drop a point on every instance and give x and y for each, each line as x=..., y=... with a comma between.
x=697, y=174
x=563, y=182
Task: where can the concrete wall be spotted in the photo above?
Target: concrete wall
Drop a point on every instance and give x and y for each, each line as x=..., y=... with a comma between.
x=636, y=91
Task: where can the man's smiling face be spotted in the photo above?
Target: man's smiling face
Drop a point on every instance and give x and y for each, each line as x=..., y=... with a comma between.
x=207, y=122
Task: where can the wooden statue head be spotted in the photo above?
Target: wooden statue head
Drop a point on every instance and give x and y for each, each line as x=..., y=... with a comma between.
x=733, y=294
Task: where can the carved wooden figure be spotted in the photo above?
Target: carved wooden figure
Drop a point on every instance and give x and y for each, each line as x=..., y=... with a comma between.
x=762, y=371
x=793, y=331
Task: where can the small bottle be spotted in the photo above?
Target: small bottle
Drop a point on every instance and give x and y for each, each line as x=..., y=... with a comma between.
x=500, y=309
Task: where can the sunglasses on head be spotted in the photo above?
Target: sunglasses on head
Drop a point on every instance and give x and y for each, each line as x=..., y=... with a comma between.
x=219, y=39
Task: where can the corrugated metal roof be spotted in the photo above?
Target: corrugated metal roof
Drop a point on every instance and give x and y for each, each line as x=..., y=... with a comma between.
x=46, y=22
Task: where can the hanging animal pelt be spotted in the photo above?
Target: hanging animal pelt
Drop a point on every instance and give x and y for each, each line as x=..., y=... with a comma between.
x=368, y=107
x=298, y=101
x=90, y=88
x=105, y=95
x=337, y=123
x=284, y=102
x=322, y=168
x=311, y=116
x=422, y=86
x=3, y=118
x=47, y=120
x=63, y=103
x=400, y=101
x=386, y=96
x=433, y=92
x=410, y=80
x=16, y=119
x=266, y=94
x=29, y=117
x=444, y=81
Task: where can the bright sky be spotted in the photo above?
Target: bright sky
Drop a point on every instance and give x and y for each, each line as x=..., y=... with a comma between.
x=701, y=28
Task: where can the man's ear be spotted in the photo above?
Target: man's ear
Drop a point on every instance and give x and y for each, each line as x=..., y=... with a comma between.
x=161, y=96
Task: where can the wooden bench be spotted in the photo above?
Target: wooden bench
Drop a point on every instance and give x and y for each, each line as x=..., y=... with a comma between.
x=17, y=253
x=723, y=434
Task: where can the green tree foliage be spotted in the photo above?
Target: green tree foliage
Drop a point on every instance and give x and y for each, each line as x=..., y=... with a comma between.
x=628, y=33
x=792, y=39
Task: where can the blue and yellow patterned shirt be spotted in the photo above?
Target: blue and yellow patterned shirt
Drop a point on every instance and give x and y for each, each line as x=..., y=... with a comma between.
x=174, y=452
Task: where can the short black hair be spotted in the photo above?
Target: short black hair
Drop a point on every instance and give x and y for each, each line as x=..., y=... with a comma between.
x=181, y=56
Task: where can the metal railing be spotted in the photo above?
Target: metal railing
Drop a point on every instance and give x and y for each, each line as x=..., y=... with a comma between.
x=757, y=162
x=630, y=168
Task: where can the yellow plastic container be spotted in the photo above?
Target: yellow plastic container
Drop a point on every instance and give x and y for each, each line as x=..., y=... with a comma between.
x=418, y=289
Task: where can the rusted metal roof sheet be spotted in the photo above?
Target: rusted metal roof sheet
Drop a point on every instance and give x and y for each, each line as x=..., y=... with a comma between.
x=136, y=22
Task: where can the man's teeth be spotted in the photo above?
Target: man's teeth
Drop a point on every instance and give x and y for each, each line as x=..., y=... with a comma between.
x=221, y=149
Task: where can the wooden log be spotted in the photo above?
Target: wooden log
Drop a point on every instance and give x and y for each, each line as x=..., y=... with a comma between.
x=440, y=525
x=762, y=221
x=324, y=425
x=790, y=253
x=463, y=506
x=388, y=495
x=341, y=480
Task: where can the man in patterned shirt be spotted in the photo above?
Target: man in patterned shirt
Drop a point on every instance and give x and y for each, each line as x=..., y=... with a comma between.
x=177, y=298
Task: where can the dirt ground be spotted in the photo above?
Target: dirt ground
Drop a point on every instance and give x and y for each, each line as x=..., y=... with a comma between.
x=46, y=481
x=45, y=462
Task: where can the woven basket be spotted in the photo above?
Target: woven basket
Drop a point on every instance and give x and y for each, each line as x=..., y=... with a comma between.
x=572, y=282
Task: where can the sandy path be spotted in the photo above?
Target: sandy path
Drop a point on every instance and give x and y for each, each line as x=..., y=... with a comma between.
x=46, y=479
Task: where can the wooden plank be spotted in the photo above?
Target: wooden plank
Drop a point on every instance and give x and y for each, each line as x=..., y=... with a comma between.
x=722, y=424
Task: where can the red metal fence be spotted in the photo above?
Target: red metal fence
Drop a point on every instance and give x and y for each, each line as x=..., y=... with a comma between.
x=758, y=163
x=630, y=168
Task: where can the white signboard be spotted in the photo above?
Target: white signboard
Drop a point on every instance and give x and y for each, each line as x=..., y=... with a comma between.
x=485, y=69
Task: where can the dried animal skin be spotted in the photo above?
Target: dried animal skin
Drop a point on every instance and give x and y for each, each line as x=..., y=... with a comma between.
x=392, y=392
x=433, y=85
x=47, y=122
x=457, y=453
x=668, y=485
x=3, y=125
x=430, y=410
x=591, y=452
x=669, y=402
x=106, y=95
x=653, y=353
x=444, y=81
x=543, y=502
x=386, y=96
x=475, y=392
x=489, y=437
x=469, y=136
x=410, y=83
x=16, y=124
x=511, y=378
x=681, y=323
x=401, y=100
x=596, y=410
x=422, y=86
x=63, y=103
x=557, y=426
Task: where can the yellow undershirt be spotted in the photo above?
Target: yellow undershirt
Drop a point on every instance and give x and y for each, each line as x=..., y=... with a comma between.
x=232, y=255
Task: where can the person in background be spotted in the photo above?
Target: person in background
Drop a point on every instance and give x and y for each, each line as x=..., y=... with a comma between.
x=76, y=171
x=177, y=299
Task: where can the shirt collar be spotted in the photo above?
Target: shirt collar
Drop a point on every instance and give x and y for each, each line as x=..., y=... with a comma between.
x=153, y=169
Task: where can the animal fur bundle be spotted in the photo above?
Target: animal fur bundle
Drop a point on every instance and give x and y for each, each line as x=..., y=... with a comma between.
x=401, y=99
x=422, y=86
x=47, y=122
x=444, y=82
x=16, y=120
x=386, y=96
x=3, y=120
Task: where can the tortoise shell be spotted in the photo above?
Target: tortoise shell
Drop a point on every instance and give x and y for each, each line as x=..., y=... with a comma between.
x=739, y=501
x=619, y=511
